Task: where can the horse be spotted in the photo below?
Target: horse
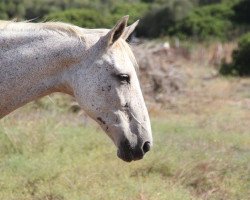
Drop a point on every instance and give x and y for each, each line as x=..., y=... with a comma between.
x=96, y=66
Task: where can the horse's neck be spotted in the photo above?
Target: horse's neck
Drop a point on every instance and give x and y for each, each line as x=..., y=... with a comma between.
x=31, y=65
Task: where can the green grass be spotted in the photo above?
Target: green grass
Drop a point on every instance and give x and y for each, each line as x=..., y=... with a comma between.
x=49, y=154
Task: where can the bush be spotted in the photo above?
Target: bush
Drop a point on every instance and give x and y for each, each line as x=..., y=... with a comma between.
x=241, y=59
x=81, y=17
x=134, y=10
x=155, y=23
x=206, y=2
x=92, y=18
x=242, y=12
x=160, y=20
x=211, y=21
x=3, y=14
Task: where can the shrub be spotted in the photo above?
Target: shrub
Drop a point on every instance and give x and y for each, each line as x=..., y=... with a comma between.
x=134, y=10
x=206, y=2
x=241, y=59
x=81, y=17
x=242, y=12
x=206, y=22
x=155, y=23
x=92, y=18
x=3, y=14
x=160, y=20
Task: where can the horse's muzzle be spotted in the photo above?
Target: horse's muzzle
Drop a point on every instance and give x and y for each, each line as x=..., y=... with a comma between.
x=128, y=153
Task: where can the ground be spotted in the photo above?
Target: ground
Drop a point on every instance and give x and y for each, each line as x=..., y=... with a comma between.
x=201, y=146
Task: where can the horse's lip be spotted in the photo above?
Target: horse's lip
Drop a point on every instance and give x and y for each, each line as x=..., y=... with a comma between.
x=124, y=157
x=128, y=156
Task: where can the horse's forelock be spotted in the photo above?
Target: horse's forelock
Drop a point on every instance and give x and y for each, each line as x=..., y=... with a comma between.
x=124, y=46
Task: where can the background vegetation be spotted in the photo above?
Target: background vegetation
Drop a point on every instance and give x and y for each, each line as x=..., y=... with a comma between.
x=241, y=59
x=198, y=19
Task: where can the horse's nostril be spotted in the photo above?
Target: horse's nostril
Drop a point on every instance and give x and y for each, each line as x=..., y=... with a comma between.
x=146, y=147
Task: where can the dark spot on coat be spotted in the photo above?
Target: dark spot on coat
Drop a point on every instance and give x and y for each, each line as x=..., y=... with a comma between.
x=109, y=87
x=101, y=120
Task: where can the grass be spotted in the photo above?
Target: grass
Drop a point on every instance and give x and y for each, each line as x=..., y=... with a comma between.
x=50, y=154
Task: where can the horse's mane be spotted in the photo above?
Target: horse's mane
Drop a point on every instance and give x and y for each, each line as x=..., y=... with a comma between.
x=61, y=27
x=49, y=26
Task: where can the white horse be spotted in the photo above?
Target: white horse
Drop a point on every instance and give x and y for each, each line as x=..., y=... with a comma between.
x=96, y=66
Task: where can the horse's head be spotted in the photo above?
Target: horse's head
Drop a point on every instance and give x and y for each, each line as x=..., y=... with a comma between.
x=106, y=86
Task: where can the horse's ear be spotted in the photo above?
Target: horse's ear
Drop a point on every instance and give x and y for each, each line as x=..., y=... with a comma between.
x=129, y=30
x=117, y=31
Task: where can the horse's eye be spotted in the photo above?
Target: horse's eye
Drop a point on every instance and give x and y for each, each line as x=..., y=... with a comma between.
x=124, y=78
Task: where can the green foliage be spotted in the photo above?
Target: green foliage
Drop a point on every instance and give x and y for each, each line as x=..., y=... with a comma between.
x=199, y=19
x=154, y=24
x=3, y=14
x=206, y=22
x=134, y=10
x=92, y=18
x=241, y=59
x=242, y=12
x=206, y=2
x=80, y=17
x=212, y=19
x=161, y=19
x=27, y=9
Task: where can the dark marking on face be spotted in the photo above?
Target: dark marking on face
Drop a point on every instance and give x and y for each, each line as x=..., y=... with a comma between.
x=109, y=87
x=101, y=120
x=103, y=89
x=130, y=118
x=126, y=111
x=107, y=128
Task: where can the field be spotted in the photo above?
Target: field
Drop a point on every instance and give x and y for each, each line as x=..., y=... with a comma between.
x=201, y=148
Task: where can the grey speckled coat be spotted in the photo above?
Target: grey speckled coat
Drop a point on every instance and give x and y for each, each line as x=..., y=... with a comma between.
x=94, y=65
